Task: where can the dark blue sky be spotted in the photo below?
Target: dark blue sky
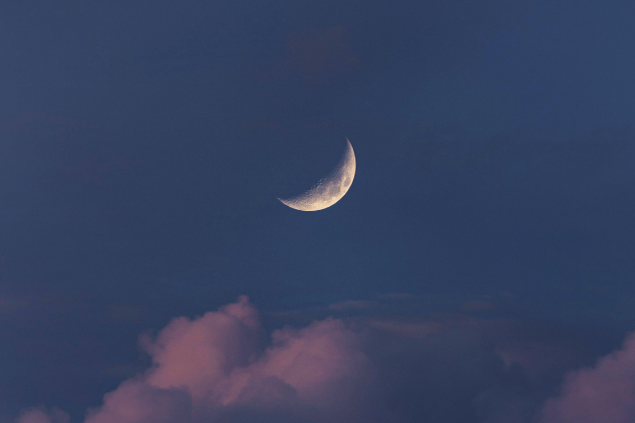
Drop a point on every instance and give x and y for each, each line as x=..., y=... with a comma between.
x=143, y=145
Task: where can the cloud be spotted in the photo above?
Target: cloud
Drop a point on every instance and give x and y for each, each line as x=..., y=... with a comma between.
x=351, y=304
x=604, y=393
x=213, y=369
x=543, y=351
x=222, y=367
x=42, y=415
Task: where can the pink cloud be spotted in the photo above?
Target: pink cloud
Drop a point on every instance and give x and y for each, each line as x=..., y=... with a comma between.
x=41, y=415
x=217, y=368
x=198, y=356
x=601, y=394
x=314, y=360
x=213, y=365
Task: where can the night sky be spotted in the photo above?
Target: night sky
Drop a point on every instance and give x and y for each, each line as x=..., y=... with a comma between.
x=481, y=268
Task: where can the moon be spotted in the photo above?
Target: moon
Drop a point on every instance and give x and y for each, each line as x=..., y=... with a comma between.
x=328, y=190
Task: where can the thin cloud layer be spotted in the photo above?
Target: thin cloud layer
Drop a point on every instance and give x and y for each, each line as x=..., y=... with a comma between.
x=601, y=394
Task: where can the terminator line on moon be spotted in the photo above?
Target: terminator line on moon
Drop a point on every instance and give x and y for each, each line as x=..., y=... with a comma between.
x=328, y=190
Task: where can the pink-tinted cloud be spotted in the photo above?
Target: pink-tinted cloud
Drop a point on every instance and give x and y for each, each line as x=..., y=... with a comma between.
x=601, y=394
x=212, y=367
x=41, y=415
x=451, y=368
x=198, y=356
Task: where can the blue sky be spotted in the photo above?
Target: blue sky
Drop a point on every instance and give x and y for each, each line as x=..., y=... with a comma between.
x=143, y=146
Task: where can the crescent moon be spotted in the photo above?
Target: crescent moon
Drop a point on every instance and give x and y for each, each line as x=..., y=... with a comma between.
x=328, y=190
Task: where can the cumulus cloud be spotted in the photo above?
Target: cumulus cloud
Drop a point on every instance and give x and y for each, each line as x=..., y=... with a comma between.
x=604, y=393
x=217, y=368
x=42, y=415
x=213, y=369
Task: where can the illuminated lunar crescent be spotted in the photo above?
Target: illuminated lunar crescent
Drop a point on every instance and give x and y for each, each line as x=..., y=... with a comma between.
x=329, y=190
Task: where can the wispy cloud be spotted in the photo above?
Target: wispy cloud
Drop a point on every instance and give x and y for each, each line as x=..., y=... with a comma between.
x=351, y=304
x=12, y=304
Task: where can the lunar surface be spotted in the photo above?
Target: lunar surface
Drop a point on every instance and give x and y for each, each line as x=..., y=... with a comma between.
x=328, y=190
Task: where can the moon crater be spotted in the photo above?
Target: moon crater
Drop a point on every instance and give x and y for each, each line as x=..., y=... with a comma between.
x=328, y=190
